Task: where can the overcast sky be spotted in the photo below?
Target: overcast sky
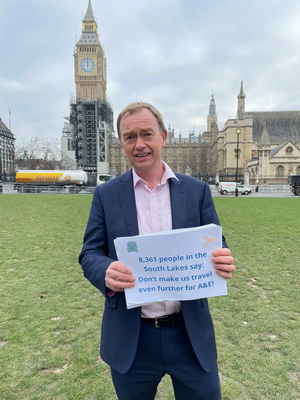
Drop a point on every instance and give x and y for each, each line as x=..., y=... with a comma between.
x=171, y=53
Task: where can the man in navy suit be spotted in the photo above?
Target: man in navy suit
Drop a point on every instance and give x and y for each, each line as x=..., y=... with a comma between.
x=143, y=344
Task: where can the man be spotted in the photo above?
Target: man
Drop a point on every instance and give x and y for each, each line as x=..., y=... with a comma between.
x=142, y=344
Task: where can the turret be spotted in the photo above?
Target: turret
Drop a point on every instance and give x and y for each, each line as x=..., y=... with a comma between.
x=241, y=103
x=212, y=119
x=212, y=107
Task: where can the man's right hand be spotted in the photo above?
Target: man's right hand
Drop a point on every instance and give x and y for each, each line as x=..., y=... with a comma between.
x=118, y=277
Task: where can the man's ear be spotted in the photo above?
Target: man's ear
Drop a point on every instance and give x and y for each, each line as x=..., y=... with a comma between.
x=164, y=136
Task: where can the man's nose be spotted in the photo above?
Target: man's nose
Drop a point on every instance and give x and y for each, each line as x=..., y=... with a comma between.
x=139, y=142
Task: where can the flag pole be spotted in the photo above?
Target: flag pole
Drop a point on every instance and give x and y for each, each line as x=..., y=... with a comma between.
x=9, y=120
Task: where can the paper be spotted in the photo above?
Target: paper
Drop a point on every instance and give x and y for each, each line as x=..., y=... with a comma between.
x=172, y=265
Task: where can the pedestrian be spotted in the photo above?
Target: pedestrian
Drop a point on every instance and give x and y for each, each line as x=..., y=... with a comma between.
x=143, y=344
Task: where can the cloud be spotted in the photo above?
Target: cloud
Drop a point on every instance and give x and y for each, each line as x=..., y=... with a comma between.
x=174, y=53
x=11, y=86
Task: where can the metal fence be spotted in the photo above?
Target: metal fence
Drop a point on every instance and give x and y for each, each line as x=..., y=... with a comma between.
x=8, y=188
x=272, y=188
x=262, y=188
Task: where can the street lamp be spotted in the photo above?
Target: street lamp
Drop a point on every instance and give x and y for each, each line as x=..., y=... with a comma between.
x=257, y=175
x=238, y=131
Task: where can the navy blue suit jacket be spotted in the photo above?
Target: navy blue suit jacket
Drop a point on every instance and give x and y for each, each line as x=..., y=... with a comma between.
x=113, y=214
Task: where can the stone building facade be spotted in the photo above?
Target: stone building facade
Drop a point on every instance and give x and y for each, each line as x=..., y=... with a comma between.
x=7, y=153
x=268, y=145
x=274, y=164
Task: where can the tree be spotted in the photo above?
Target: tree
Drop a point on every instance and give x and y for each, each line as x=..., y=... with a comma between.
x=196, y=161
x=39, y=153
x=67, y=162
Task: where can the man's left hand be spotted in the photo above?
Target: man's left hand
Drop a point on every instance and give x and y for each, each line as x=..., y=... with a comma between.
x=223, y=262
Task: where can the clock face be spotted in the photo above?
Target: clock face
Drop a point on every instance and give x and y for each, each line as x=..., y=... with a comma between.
x=87, y=65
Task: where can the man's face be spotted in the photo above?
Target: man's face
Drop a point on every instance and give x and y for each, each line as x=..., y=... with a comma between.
x=142, y=141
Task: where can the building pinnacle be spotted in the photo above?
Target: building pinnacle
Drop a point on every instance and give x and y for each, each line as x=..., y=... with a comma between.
x=212, y=106
x=241, y=94
x=89, y=15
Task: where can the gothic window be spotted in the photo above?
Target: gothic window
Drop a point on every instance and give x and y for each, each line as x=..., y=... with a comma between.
x=289, y=150
x=298, y=170
x=175, y=159
x=279, y=171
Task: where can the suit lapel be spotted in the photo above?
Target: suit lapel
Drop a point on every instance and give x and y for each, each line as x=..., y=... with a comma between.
x=127, y=202
x=178, y=203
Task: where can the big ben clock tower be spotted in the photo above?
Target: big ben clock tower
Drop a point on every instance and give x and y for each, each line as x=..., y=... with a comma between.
x=91, y=117
x=89, y=62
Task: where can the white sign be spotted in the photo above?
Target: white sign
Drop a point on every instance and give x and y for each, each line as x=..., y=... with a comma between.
x=172, y=265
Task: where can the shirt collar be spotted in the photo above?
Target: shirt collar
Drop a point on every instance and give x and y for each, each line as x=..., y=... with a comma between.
x=168, y=174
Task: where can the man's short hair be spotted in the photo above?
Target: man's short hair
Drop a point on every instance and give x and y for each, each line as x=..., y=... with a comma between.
x=137, y=106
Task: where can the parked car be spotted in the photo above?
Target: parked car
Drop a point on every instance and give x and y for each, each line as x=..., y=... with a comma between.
x=229, y=187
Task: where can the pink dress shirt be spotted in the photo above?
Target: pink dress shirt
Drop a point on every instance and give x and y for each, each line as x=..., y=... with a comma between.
x=154, y=215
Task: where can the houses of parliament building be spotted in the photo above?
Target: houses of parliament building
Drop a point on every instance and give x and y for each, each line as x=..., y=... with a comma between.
x=264, y=145
x=268, y=150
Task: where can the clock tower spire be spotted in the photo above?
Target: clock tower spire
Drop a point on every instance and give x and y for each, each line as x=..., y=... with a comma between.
x=89, y=16
x=89, y=61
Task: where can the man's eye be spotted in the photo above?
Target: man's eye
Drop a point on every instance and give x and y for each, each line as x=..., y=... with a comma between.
x=129, y=138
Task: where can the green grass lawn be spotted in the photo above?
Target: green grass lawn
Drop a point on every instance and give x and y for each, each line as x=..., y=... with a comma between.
x=50, y=316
